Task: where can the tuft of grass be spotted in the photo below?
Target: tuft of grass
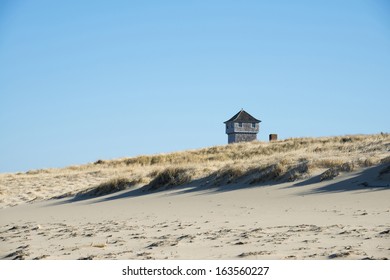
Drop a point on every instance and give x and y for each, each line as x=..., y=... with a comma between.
x=327, y=163
x=227, y=175
x=271, y=172
x=334, y=171
x=297, y=172
x=153, y=173
x=371, y=161
x=37, y=171
x=330, y=174
x=171, y=177
x=347, y=167
x=109, y=187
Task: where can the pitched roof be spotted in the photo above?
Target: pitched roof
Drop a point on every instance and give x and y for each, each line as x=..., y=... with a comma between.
x=244, y=117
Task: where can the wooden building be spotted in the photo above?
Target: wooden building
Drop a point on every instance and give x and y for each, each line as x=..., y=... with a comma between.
x=242, y=127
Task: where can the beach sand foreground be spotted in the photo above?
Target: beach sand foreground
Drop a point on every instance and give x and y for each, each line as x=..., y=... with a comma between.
x=344, y=218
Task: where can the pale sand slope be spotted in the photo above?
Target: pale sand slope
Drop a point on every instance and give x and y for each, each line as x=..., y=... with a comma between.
x=337, y=219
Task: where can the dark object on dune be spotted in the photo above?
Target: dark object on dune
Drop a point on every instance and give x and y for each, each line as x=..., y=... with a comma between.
x=109, y=187
x=170, y=177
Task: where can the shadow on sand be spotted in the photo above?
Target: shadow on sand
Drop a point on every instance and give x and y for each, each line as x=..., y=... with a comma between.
x=367, y=179
x=198, y=186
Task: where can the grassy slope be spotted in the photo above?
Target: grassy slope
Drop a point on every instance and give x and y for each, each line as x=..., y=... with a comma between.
x=249, y=163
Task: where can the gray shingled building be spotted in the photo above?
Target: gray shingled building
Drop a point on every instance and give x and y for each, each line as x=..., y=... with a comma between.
x=242, y=127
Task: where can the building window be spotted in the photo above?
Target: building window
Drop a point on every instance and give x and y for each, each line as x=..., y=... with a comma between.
x=240, y=124
x=253, y=125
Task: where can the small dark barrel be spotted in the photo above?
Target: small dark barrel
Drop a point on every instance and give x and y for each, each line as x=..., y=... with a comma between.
x=273, y=137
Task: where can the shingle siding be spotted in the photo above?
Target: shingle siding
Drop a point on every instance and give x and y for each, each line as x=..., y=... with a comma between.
x=242, y=127
x=234, y=127
x=241, y=137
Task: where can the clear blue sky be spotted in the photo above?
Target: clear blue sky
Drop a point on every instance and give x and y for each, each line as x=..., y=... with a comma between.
x=88, y=80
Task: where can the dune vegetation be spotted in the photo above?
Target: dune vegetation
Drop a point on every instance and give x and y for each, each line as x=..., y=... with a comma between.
x=247, y=163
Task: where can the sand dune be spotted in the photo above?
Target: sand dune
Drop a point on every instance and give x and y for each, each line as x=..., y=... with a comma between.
x=344, y=218
x=304, y=198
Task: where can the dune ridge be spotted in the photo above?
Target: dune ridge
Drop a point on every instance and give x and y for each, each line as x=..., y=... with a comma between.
x=251, y=163
x=307, y=198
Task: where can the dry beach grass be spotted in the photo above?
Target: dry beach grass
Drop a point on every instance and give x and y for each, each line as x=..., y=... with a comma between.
x=301, y=198
x=253, y=162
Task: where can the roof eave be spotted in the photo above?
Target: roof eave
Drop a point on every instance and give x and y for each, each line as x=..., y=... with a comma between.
x=256, y=121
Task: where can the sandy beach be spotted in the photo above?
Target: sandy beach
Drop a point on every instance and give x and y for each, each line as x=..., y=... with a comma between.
x=195, y=131
x=344, y=218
